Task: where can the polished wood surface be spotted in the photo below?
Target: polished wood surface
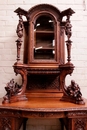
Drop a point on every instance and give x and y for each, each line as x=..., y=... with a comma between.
x=44, y=104
x=43, y=93
x=72, y=116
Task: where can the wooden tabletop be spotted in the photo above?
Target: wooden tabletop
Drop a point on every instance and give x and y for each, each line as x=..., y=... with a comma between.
x=44, y=104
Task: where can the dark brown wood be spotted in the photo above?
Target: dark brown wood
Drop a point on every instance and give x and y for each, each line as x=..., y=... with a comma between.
x=43, y=93
x=43, y=70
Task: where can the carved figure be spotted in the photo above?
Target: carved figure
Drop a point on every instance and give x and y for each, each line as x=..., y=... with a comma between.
x=20, y=27
x=73, y=90
x=68, y=27
x=11, y=89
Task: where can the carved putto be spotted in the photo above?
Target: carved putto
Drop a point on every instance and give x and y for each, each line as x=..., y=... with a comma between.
x=12, y=89
x=73, y=90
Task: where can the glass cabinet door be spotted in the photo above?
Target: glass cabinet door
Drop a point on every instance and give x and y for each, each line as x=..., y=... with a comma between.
x=44, y=38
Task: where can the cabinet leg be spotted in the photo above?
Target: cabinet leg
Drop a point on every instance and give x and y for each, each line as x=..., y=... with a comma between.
x=24, y=123
x=62, y=123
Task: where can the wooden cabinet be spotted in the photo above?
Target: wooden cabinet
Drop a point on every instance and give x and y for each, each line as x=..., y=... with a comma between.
x=43, y=70
x=45, y=43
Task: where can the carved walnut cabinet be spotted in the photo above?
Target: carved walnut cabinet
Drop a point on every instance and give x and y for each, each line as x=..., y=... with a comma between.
x=43, y=93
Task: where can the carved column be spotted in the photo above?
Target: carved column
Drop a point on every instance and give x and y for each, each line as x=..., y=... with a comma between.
x=19, y=32
x=68, y=32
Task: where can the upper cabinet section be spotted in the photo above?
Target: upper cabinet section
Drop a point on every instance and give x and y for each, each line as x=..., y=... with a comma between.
x=44, y=44
x=44, y=36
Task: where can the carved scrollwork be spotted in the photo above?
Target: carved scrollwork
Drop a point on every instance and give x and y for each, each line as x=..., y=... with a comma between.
x=13, y=89
x=23, y=74
x=72, y=92
x=64, y=71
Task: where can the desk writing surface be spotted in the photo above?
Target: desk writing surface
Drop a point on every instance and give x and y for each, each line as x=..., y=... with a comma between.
x=44, y=104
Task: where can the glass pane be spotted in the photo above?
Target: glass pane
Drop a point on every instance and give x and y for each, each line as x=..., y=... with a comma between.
x=44, y=46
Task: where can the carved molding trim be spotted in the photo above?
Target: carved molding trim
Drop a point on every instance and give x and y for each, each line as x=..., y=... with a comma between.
x=44, y=114
x=10, y=113
x=77, y=113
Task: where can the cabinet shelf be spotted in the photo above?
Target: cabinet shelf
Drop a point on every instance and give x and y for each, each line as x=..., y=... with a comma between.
x=44, y=34
x=45, y=31
x=44, y=48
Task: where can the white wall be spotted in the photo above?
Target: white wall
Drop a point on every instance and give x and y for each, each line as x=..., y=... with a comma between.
x=8, y=23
